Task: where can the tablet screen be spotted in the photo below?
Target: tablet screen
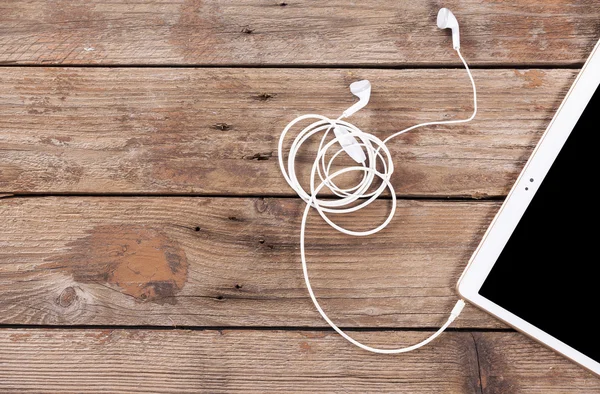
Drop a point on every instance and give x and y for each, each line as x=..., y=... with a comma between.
x=547, y=273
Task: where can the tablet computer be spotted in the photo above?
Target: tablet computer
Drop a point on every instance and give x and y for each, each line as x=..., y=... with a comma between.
x=536, y=267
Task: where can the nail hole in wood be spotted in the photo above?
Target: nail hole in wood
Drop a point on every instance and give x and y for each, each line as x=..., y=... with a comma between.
x=222, y=126
x=259, y=156
x=265, y=96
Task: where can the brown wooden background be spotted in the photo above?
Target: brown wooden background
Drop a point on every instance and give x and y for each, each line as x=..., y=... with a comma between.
x=149, y=243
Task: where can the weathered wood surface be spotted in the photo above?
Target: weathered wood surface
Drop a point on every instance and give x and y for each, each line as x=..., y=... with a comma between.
x=213, y=262
x=231, y=262
x=294, y=32
x=215, y=131
x=180, y=361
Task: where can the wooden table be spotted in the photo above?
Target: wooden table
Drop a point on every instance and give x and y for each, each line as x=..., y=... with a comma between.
x=149, y=242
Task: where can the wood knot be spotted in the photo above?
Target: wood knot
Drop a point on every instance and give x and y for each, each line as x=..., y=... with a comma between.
x=261, y=205
x=67, y=297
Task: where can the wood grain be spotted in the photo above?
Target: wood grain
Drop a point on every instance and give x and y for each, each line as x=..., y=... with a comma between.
x=511, y=363
x=294, y=32
x=215, y=131
x=180, y=361
x=231, y=262
x=229, y=267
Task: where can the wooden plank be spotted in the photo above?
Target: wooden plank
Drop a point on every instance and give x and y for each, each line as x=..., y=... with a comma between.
x=180, y=361
x=293, y=32
x=227, y=360
x=215, y=131
x=231, y=262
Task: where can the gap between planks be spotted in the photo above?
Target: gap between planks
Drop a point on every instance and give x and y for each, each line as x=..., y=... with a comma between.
x=400, y=66
x=243, y=328
x=450, y=198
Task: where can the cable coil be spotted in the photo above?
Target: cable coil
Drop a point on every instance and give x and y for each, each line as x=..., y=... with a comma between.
x=351, y=199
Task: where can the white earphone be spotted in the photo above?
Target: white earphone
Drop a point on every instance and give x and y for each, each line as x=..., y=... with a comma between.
x=368, y=151
x=447, y=20
x=362, y=90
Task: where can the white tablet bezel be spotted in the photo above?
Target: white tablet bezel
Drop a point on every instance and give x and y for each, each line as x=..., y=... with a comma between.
x=517, y=201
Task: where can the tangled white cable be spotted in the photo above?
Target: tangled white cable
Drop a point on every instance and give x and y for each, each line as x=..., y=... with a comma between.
x=357, y=197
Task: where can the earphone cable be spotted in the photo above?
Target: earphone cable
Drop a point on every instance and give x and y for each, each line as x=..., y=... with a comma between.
x=349, y=198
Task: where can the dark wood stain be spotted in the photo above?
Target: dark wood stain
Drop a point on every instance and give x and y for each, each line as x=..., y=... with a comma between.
x=141, y=262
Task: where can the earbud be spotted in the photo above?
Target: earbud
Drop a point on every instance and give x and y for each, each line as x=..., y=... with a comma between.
x=362, y=90
x=447, y=20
